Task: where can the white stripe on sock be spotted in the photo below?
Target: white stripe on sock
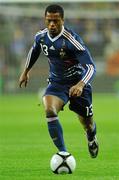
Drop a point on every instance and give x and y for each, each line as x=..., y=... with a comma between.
x=52, y=119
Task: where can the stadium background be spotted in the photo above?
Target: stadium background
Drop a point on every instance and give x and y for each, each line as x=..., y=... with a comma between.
x=96, y=22
x=25, y=145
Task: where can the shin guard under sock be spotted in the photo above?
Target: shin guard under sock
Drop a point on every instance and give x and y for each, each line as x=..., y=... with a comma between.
x=56, y=133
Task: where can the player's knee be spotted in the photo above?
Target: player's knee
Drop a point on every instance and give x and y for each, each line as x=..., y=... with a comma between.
x=50, y=112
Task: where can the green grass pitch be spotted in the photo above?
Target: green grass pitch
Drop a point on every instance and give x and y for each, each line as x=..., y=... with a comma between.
x=26, y=148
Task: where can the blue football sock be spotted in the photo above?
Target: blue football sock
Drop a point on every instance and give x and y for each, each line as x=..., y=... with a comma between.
x=56, y=133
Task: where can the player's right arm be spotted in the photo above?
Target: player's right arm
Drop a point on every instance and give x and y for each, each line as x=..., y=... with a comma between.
x=31, y=59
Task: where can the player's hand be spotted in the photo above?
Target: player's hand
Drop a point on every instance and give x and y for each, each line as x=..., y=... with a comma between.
x=77, y=89
x=23, y=79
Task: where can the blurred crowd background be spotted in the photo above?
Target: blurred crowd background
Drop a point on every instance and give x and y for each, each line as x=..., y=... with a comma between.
x=96, y=22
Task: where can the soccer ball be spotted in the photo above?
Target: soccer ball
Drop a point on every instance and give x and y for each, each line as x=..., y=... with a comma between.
x=63, y=163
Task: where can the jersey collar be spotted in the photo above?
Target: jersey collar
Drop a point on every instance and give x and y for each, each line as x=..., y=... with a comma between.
x=56, y=37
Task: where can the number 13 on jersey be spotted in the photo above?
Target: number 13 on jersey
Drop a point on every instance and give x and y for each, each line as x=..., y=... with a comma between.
x=44, y=49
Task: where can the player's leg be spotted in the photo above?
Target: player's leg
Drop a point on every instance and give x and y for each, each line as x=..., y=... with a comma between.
x=89, y=126
x=90, y=129
x=83, y=107
x=52, y=106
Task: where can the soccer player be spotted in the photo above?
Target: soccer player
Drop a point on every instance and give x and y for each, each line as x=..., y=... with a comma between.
x=71, y=71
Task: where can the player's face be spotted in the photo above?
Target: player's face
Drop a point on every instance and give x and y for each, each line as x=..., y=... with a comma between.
x=54, y=23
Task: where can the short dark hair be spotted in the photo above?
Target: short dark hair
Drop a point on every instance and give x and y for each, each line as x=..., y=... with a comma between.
x=55, y=8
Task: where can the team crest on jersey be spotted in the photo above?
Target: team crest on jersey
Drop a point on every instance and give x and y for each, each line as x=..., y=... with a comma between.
x=62, y=50
x=62, y=53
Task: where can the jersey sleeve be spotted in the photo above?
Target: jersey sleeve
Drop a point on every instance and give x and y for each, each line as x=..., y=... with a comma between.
x=33, y=54
x=90, y=71
x=85, y=59
x=82, y=54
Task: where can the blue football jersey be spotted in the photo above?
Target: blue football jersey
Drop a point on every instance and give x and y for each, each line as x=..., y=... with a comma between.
x=68, y=57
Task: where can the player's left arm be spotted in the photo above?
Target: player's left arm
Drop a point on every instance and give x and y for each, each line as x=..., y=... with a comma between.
x=90, y=69
x=86, y=61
